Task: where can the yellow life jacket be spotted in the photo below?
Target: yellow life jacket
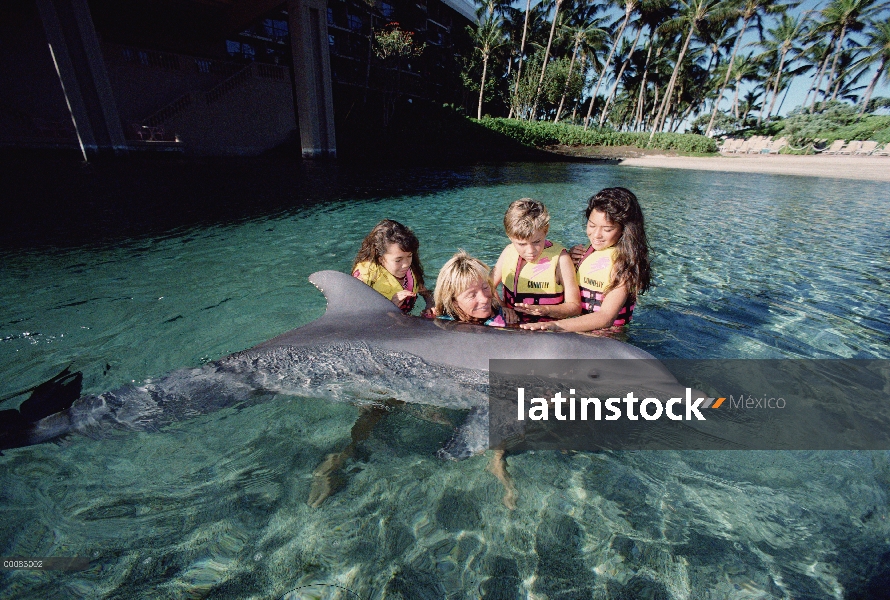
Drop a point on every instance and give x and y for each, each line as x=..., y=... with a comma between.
x=532, y=283
x=386, y=283
x=594, y=274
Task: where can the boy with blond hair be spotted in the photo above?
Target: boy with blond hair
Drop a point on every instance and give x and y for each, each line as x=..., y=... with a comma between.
x=538, y=276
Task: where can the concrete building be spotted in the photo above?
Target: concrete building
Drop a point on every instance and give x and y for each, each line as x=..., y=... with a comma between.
x=210, y=77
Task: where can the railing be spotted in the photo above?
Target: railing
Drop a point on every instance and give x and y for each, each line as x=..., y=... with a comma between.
x=176, y=107
x=274, y=72
x=171, y=61
x=227, y=85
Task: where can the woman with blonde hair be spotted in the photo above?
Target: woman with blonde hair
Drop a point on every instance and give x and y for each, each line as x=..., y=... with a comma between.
x=464, y=292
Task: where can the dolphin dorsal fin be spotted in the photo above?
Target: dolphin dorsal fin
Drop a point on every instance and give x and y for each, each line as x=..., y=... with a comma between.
x=347, y=296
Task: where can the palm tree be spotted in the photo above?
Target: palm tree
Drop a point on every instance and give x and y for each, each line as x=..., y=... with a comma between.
x=879, y=44
x=694, y=13
x=586, y=34
x=749, y=103
x=748, y=10
x=528, y=4
x=782, y=39
x=652, y=13
x=816, y=54
x=851, y=68
x=487, y=37
x=839, y=17
x=743, y=70
x=556, y=5
x=849, y=15
x=629, y=7
x=611, y=95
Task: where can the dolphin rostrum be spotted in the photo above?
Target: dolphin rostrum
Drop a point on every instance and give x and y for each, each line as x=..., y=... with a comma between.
x=363, y=349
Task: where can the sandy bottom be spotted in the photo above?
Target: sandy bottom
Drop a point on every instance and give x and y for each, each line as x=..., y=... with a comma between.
x=871, y=168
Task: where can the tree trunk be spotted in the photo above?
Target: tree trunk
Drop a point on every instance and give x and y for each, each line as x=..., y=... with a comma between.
x=618, y=79
x=579, y=101
x=871, y=86
x=521, y=53
x=738, y=44
x=818, y=85
x=735, y=100
x=785, y=95
x=837, y=53
x=778, y=79
x=659, y=118
x=641, y=101
x=546, y=58
x=568, y=79
x=606, y=66
x=482, y=86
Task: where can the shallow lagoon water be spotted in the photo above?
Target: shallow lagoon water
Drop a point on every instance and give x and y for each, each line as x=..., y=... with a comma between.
x=746, y=266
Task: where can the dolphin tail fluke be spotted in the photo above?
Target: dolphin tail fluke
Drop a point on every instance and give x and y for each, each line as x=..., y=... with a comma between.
x=50, y=397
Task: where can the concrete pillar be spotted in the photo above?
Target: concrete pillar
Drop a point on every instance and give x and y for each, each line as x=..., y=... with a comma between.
x=312, y=77
x=75, y=51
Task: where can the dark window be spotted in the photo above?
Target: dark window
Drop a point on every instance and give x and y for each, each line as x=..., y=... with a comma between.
x=240, y=50
x=275, y=29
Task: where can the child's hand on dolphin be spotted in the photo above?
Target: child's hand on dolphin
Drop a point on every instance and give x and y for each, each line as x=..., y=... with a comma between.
x=400, y=297
x=510, y=316
x=545, y=326
x=577, y=254
x=537, y=310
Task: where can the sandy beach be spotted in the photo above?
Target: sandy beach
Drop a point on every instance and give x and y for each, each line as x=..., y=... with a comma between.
x=873, y=168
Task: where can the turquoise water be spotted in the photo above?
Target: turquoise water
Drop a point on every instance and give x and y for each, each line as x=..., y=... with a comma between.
x=747, y=266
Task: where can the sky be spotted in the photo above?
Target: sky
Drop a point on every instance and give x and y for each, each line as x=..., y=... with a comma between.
x=799, y=87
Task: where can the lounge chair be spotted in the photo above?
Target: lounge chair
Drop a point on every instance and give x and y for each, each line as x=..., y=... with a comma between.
x=866, y=148
x=766, y=143
x=730, y=145
x=743, y=148
x=756, y=145
x=777, y=145
x=835, y=146
x=851, y=148
x=753, y=145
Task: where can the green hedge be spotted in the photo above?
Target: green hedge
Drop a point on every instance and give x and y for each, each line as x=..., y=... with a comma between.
x=544, y=133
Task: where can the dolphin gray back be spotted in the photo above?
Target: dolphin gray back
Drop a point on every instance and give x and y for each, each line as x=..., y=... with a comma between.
x=358, y=314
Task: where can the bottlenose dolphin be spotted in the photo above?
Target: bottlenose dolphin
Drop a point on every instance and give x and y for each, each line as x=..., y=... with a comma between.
x=362, y=349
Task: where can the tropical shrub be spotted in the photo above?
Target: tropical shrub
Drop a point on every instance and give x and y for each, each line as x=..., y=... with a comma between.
x=545, y=133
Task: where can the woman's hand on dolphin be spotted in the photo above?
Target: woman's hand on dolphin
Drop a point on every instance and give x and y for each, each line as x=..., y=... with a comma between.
x=510, y=316
x=545, y=326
